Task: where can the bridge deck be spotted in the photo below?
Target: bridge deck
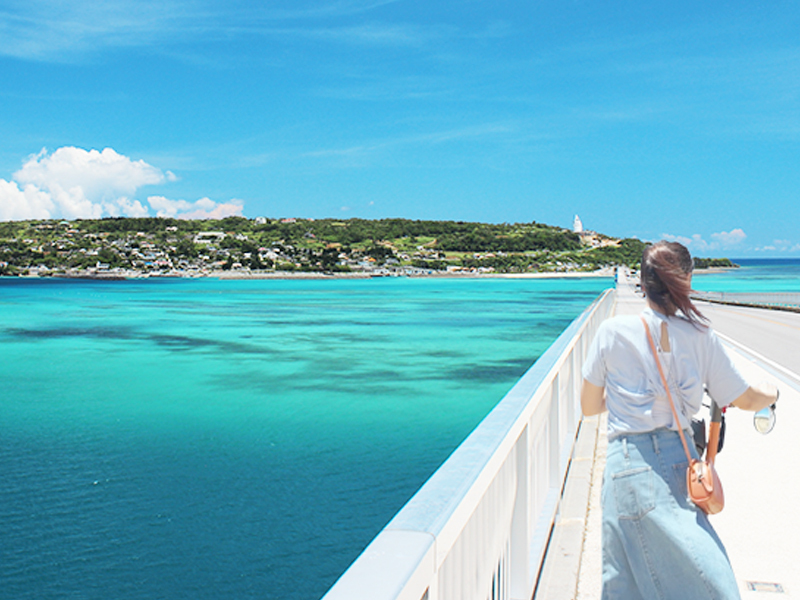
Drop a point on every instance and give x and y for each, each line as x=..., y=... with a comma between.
x=761, y=474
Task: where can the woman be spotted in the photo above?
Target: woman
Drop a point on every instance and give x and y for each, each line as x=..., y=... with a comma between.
x=656, y=542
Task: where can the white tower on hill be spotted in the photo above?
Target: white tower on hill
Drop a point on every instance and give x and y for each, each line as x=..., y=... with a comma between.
x=577, y=226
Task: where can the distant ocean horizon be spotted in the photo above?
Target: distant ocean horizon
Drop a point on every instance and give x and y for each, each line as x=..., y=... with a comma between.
x=247, y=439
x=754, y=262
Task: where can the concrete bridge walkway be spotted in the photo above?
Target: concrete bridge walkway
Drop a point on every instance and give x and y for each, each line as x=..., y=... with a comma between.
x=760, y=525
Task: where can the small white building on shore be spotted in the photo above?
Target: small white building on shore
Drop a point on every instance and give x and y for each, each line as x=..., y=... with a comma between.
x=208, y=237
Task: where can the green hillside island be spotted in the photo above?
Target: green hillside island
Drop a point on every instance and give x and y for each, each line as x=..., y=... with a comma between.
x=133, y=247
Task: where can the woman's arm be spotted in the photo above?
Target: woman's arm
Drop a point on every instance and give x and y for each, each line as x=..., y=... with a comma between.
x=757, y=397
x=593, y=399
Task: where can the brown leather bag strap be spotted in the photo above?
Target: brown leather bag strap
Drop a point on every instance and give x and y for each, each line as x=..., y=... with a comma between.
x=666, y=387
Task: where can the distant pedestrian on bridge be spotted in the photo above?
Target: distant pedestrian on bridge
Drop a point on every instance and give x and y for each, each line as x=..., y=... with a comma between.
x=656, y=542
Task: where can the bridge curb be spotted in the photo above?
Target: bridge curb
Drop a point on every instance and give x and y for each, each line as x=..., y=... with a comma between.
x=559, y=577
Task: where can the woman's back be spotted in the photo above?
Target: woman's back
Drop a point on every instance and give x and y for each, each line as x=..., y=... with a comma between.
x=656, y=542
x=693, y=358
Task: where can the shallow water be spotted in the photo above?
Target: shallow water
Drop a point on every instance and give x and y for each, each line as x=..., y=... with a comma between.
x=242, y=439
x=753, y=275
x=246, y=439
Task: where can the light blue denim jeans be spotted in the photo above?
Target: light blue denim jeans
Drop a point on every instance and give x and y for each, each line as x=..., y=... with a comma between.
x=656, y=542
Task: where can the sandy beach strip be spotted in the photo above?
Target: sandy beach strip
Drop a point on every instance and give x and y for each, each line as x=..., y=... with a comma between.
x=608, y=272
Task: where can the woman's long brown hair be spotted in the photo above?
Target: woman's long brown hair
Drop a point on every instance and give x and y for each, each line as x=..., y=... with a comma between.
x=665, y=266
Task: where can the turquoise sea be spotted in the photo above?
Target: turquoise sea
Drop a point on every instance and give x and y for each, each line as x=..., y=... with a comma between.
x=246, y=439
x=753, y=275
x=239, y=439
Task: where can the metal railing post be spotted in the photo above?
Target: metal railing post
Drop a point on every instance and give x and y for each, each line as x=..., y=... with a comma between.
x=520, y=523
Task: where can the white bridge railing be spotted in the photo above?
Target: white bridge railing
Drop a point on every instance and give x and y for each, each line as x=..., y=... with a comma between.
x=478, y=528
x=782, y=300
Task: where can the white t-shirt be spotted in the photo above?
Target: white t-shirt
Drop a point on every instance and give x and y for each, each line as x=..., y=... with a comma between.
x=620, y=360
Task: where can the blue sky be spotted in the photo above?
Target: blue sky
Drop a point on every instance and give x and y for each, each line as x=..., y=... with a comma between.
x=647, y=119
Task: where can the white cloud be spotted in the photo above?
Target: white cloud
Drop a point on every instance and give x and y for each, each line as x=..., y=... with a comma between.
x=205, y=208
x=123, y=207
x=74, y=183
x=88, y=184
x=696, y=242
x=721, y=240
x=26, y=203
x=780, y=246
x=729, y=238
x=53, y=30
x=165, y=207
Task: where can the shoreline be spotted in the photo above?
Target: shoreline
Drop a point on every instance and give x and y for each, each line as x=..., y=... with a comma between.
x=311, y=275
x=238, y=275
x=714, y=270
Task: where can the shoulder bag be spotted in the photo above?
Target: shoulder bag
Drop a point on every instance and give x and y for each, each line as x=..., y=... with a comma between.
x=702, y=481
